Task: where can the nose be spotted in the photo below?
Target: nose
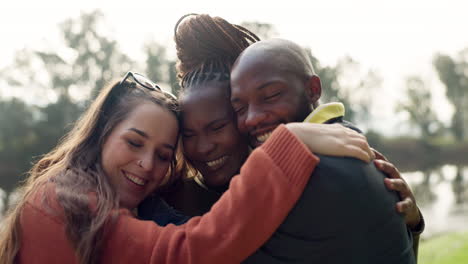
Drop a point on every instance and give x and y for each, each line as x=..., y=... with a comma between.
x=147, y=162
x=205, y=145
x=255, y=116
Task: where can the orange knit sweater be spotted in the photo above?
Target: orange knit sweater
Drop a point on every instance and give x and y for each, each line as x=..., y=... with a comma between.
x=257, y=202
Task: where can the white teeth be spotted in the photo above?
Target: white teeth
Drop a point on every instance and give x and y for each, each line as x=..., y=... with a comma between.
x=215, y=163
x=262, y=138
x=135, y=179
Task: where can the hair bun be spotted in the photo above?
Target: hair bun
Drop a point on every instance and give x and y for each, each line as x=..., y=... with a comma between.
x=201, y=38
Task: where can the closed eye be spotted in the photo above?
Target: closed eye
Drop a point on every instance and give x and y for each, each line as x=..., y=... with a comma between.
x=219, y=127
x=239, y=111
x=273, y=96
x=164, y=157
x=187, y=135
x=134, y=144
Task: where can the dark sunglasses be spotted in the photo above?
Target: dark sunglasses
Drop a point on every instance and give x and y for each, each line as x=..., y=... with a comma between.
x=145, y=82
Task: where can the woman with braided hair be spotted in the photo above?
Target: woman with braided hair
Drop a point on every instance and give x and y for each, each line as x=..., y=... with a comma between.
x=206, y=49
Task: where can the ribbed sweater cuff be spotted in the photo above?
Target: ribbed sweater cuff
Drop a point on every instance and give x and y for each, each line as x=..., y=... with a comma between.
x=290, y=154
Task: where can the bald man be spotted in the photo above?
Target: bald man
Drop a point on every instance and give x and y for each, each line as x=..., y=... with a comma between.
x=346, y=214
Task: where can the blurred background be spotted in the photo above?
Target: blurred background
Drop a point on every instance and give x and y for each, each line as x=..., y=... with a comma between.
x=400, y=68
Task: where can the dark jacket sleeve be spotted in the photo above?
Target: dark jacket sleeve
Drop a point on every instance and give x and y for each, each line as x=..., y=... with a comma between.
x=417, y=231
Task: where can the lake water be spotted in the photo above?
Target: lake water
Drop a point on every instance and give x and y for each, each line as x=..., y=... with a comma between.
x=442, y=196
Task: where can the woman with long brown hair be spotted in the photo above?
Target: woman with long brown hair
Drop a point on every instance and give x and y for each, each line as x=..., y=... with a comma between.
x=77, y=206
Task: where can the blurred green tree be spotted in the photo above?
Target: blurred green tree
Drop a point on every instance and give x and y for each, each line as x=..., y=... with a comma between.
x=418, y=106
x=17, y=137
x=159, y=67
x=96, y=57
x=262, y=30
x=156, y=61
x=85, y=61
x=345, y=83
x=453, y=73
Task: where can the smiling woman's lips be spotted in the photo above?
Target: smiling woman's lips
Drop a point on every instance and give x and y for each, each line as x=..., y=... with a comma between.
x=217, y=163
x=135, y=179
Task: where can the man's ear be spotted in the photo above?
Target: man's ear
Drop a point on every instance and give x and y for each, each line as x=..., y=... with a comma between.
x=313, y=89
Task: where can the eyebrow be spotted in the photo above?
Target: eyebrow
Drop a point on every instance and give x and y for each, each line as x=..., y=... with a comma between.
x=263, y=86
x=143, y=134
x=217, y=120
x=221, y=119
x=139, y=132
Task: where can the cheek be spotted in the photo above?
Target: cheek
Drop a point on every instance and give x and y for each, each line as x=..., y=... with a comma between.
x=241, y=124
x=231, y=138
x=107, y=157
x=286, y=110
x=160, y=174
x=189, y=147
x=115, y=155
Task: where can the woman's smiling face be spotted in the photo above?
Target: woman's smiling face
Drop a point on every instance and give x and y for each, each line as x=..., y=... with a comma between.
x=211, y=141
x=138, y=152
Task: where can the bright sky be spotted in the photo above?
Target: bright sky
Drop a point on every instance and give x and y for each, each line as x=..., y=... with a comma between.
x=396, y=38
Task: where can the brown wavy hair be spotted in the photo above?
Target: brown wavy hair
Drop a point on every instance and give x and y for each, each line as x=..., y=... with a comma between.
x=75, y=170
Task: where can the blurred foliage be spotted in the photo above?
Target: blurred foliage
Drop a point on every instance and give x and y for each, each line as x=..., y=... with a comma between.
x=345, y=83
x=17, y=140
x=262, y=30
x=418, y=105
x=417, y=153
x=453, y=73
x=159, y=67
x=86, y=61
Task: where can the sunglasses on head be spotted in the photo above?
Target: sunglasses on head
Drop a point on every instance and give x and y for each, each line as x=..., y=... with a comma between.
x=145, y=82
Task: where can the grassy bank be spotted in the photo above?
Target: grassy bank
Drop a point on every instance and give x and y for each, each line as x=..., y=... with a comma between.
x=446, y=249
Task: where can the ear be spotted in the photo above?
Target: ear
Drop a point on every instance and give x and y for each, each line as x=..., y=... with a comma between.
x=313, y=89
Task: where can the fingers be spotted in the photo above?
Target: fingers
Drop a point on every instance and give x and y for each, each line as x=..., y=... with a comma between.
x=361, y=142
x=388, y=168
x=405, y=206
x=409, y=209
x=357, y=152
x=398, y=185
x=379, y=155
x=357, y=140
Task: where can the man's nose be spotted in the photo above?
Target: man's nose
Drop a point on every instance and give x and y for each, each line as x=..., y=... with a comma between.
x=255, y=116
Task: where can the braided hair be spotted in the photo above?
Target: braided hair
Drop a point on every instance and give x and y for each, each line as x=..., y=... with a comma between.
x=207, y=47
